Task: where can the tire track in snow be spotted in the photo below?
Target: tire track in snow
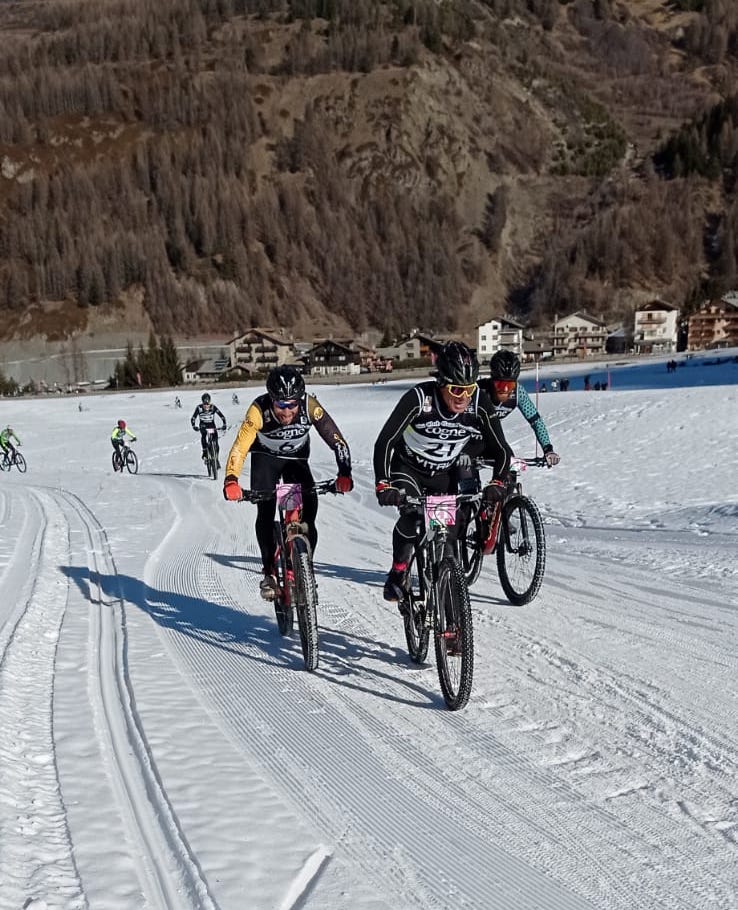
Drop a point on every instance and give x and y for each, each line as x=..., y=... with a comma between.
x=292, y=712
x=36, y=858
x=169, y=874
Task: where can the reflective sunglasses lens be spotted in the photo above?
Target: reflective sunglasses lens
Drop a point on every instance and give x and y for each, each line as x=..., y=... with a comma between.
x=284, y=405
x=503, y=387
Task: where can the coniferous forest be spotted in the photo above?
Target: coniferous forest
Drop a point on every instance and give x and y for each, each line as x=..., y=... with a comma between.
x=393, y=164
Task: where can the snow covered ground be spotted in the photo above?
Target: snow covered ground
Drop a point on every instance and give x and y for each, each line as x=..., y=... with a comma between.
x=162, y=748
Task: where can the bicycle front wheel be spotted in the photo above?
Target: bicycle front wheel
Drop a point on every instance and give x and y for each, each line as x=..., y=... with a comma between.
x=521, y=551
x=307, y=601
x=454, y=635
x=20, y=462
x=131, y=462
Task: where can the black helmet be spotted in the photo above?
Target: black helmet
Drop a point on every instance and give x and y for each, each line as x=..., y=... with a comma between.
x=456, y=364
x=205, y=398
x=504, y=365
x=285, y=383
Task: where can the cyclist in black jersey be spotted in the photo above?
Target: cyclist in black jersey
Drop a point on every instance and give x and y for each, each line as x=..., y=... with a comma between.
x=422, y=441
x=205, y=414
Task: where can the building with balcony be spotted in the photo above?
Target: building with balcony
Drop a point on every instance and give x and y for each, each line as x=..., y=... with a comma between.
x=497, y=334
x=715, y=324
x=579, y=335
x=655, y=328
x=258, y=350
x=328, y=358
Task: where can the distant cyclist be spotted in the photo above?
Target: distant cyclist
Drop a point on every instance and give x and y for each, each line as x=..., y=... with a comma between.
x=276, y=431
x=6, y=445
x=507, y=394
x=118, y=436
x=234, y=398
x=177, y=402
x=205, y=413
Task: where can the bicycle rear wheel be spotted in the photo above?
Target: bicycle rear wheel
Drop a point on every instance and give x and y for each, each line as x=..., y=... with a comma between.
x=131, y=462
x=20, y=462
x=521, y=551
x=283, y=609
x=117, y=462
x=414, y=617
x=470, y=550
x=454, y=636
x=307, y=601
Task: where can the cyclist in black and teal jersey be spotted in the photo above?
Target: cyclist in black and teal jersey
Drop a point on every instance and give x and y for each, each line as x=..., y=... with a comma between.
x=508, y=394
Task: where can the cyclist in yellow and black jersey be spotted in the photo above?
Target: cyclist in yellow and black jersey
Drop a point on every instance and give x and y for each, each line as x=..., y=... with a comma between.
x=276, y=432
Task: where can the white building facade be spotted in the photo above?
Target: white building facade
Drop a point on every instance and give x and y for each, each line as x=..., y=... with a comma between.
x=499, y=334
x=655, y=328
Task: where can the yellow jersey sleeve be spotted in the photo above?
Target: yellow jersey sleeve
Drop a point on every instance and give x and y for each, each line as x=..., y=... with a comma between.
x=252, y=423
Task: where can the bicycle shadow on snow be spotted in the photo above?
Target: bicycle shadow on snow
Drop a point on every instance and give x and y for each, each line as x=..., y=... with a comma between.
x=236, y=632
x=344, y=655
x=204, y=620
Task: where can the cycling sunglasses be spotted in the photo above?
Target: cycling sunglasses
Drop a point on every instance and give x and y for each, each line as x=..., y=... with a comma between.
x=462, y=391
x=286, y=405
x=504, y=386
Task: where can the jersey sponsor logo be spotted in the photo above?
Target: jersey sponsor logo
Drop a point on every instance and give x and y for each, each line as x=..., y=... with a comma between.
x=427, y=404
x=318, y=412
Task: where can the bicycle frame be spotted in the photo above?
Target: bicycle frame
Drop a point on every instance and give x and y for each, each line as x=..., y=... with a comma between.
x=293, y=565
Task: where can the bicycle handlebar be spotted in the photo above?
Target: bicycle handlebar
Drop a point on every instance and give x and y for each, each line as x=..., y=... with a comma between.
x=538, y=462
x=421, y=500
x=321, y=487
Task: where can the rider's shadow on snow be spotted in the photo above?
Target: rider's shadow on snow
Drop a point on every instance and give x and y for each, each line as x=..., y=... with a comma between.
x=204, y=620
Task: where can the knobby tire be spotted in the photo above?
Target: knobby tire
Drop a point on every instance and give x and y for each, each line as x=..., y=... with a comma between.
x=307, y=601
x=20, y=462
x=413, y=607
x=454, y=637
x=131, y=462
x=521, y=550
x=283, y=602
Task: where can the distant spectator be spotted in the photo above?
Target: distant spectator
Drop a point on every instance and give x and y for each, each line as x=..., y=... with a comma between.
x=554, y=385
x=587, y=384
x=543, y=387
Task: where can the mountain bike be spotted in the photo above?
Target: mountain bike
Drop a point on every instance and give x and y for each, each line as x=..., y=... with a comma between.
x=513, y=531
x=436, y=597
x=8, y=460
x=297, y=590
x=125, y=457
x=212, y=452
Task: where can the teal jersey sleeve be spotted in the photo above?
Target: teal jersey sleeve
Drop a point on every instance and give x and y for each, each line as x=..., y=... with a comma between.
x=530, y=412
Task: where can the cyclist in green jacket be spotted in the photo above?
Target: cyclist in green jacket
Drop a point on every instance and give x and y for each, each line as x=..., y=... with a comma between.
x=6, y=445
x=118, y=436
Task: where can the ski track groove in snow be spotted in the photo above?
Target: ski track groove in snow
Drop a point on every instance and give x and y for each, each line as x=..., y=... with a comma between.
x=36, y=859
x=169, y=874
x=301, y=709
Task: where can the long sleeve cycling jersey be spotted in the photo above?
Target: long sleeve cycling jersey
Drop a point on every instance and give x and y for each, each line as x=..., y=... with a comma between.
x=425, y=435
x=524, y=403
x=262, y=432
x=5, y=437
x=206, y=416
x=119, y=435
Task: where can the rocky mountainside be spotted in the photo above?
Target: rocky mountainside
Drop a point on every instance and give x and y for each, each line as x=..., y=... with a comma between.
x=334, y=165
